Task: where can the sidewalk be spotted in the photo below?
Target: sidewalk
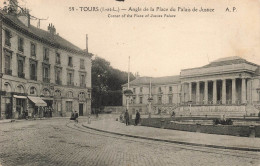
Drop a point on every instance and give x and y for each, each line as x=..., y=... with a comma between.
x=181, y=137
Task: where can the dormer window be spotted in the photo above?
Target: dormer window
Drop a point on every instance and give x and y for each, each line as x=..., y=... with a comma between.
x=20, y=44
x=7, y=38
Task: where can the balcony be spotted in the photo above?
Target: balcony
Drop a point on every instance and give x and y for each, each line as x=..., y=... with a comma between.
x=8, y=71
x=46, y=80
x=70, y=83
x=58, y=82
x=33, y=77
x=8, y=43
x=21, y=74
x=82, y=85
x=46, y=60
x=70, y=65
x=20, y=49
x=82, y=67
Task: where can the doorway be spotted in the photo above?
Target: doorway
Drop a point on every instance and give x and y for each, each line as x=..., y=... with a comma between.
x=80, y=109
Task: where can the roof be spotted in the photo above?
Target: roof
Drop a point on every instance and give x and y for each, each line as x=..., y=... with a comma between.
x=155, y=80
x=228, y=61
x=54, y=39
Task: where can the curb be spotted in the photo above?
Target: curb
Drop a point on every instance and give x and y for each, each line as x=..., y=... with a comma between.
x=177, y=142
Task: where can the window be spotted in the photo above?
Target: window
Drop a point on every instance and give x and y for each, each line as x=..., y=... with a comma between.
x=58, y=76
x=133, y=90
x=81, y=96
x=170, y=99
x=141, y=89
x=70, y=62
x=170, y=89
x=33, y=49
x=7, y=38
x=159, y=89
x=57, y=58
x=20, y=44
x=70, y=78
x=82, y=80
x=159, y=100
x=57, y=93
x=134, y=100
x=20, y=61
x=46, y=54
x=8, y=70
x=46, y=74
x=69, y=106
x=141, y=100
x=82, y=65
x=33, y=70
x=69, y=94
x=33, y=91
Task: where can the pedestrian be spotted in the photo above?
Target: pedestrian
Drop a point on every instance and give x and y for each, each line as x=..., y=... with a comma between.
x=126, y=118
x=76, y=116
x=137, y=118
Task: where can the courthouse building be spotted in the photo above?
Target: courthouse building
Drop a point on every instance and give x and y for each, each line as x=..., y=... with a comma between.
x=41, y=73
x=229, y=86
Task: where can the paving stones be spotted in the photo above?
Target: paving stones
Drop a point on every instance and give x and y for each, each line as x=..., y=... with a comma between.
x=50, y=142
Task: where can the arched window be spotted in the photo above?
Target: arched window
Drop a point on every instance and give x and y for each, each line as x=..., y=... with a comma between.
x=46, y=92
x=33, y=91
x=70, y=94
x=57, y=93
x=20, y=89
x=7, y=87
x=81, y=96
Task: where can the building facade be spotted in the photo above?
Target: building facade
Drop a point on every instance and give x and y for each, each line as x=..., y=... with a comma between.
x=41, y=73
x=226, y=86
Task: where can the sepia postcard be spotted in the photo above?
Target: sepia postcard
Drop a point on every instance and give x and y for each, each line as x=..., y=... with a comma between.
x=130, y=82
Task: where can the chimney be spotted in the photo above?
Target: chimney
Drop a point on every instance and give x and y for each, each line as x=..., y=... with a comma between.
x=52, y=29
x=87, y=43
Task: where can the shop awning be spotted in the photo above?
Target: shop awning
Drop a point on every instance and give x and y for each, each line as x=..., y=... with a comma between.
x=20, y=97
x=38, y=101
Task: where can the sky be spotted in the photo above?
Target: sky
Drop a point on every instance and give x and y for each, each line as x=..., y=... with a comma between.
x=156, y=46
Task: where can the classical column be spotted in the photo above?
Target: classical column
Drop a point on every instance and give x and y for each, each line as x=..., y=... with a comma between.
x=234, y=91
x=198, y=92
x=190, y=91
x=206, y=92
x=214, y=91
x=182, y=93
x=224, y=98
x=243, y=94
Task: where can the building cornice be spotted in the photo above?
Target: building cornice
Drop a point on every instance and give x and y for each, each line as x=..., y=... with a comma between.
x=44, y=41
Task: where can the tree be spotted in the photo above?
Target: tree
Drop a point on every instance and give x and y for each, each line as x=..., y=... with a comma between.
x=106, y=83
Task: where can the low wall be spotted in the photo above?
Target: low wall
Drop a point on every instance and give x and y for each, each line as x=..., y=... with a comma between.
x=244, y=131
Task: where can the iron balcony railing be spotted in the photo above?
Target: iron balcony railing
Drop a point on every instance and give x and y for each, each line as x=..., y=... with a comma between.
x=46, y=80
x=33, y=77
x=70, y=83
x=8, y=71
x=58, y=82
x=21, y=74
x=83, y=85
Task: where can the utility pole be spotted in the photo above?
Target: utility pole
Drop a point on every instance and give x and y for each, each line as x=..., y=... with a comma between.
x=1, y=54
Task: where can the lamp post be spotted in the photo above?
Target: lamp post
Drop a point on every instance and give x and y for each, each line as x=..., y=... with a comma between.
x=150, y=99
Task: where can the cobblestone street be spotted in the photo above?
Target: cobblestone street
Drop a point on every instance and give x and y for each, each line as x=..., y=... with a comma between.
x=61, y=142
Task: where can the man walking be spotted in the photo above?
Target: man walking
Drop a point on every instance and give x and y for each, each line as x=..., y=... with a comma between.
x=126, y=118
